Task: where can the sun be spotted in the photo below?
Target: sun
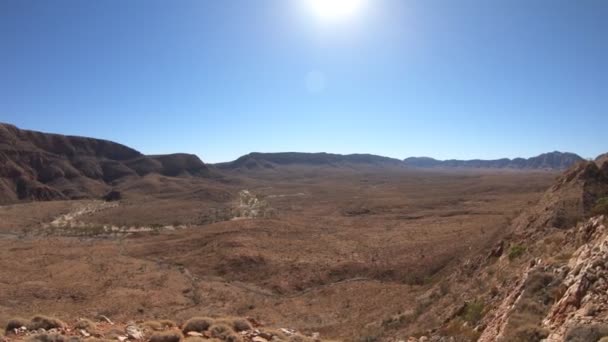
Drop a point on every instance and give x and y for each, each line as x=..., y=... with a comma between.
x=335, y=9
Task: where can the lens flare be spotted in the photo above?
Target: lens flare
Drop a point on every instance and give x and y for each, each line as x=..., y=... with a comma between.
x=335, y=9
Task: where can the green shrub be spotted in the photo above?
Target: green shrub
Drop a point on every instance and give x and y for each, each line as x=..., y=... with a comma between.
x=529, y=333
x=473, y=312
x=584, y=333
x=516, y=251
x=601, y=207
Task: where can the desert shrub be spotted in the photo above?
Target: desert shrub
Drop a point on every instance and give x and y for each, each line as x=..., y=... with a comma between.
x=197, y=324
x=270, y=334
x=167, y=323
x=85, y=324
x=52, y=338
x=460, y=331
x=15, y=323
x=585, y=333
x=44, y=322
x=601, y=207
x=473, y=312
x=196, y=339
x=168, y=336
x=159, y=325
x=516, y=251
x=200, y=339
x=540, y=292
x=240, y=324
x=237, y=324
x=153, y=325
x=529, y=333
x=300, y=338
x=221, y=331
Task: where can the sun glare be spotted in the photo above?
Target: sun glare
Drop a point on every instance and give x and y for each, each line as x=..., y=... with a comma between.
x=335, y=9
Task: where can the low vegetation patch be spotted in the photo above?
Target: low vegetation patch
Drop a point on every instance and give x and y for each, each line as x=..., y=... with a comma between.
x=86, y=324
x=168, y=336
x=197, y=324
x=237, y=324
x=224, y=332
x=44, y=322
x=601, y=207
x=536, y=300
x=473, y=312
x=529, y=333
x=460, y=331
x=584, y=333
x=516, y=251
x=15, y=323
x=159, y=325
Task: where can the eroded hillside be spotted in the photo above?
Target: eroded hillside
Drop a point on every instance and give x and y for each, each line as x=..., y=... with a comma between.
x=43, y=166
x=546, y=280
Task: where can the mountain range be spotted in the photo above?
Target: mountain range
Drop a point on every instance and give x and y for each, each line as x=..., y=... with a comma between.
x=552, y=161
x=44, y=166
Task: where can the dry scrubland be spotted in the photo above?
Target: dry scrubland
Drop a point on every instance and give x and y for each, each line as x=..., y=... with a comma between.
x=335, y=251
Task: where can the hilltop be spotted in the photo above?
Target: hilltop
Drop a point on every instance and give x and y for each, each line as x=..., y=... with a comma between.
x=260, y=161
x=44, y=166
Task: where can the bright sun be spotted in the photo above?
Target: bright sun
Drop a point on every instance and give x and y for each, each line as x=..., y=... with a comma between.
x=335, y=9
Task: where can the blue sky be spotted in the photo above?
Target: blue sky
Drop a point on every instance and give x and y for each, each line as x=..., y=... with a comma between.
x=447, y=79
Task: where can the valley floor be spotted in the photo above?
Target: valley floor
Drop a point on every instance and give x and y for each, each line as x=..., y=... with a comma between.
x=339, y=253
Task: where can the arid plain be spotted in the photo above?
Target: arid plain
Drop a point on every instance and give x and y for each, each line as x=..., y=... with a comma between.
x=334, y=250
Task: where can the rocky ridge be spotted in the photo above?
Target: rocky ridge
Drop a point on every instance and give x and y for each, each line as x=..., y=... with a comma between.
x=545, y=280
x=43, y=166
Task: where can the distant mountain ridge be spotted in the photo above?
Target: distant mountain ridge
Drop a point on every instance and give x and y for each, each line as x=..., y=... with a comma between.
x=258, y=160
x=552, y=161
x=44, y=166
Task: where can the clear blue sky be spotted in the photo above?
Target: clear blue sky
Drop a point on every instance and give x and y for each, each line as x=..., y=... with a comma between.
x=221, y=78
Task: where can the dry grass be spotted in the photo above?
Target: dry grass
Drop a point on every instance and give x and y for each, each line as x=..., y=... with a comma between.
x=15, y=323
x=585, y=333
x=197, y=324
x=52, y=338
x=237, y=324
x=159, y=325
x=44, y=322
x=310, y=265
x=536, y=300
x=224, y=332
x=86, y=324
x=168, y=336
